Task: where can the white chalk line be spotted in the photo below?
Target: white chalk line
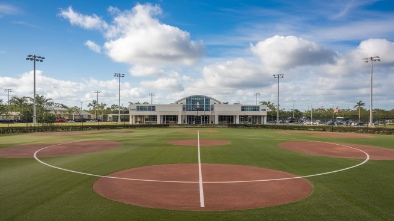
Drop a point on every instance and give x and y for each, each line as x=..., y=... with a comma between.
x=200, y=183
x=207, y=182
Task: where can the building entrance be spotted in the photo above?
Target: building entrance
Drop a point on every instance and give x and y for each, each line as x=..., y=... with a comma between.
x=192, y=119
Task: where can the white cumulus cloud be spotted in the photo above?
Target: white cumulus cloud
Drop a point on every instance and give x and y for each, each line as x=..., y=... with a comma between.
x=93, y=46
x=238, y=73
x=84, y=21
x=164, y=84
x=137, y=37
x=280, y=52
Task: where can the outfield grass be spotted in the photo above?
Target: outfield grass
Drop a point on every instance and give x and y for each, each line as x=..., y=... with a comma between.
x=32, y=191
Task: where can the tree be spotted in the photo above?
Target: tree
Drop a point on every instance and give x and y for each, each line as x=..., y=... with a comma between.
x=114, y=107
x=102, y=108
x=43, y=105
x=271, y=108
x=22, y=106
x=94, y=106
x=71, y=111
x=3, y=108
x=359, y=105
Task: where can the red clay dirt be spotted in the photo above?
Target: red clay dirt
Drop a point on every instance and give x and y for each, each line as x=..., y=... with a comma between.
x=328, y=134
x=194, y=142
x=58, y=149
x=217, y=196
x=339, y=150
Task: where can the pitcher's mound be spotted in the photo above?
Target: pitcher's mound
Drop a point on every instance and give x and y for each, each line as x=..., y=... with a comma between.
x=224, y=187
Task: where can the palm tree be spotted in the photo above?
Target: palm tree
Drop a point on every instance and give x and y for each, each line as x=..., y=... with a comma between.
x=102, y=108
x=44, y=105
x=71, y=111
x=3, y=108
x=94, y=106
x=271, y=108
x=21, y=105
x=359, y=105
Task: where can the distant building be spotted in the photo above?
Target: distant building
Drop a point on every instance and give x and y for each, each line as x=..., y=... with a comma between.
x=63, y=113
x=197, y=109
x=10, y=116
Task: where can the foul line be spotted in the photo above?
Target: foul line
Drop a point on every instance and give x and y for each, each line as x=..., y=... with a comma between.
x=199, y=172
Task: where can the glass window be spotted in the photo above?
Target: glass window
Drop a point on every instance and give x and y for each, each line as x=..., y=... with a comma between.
x=198, y=103
x=250, y=108
x=146, y=108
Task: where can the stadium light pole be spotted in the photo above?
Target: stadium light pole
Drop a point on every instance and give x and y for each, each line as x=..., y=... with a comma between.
x=293, y=109
x=96, y=92
x=371, y=60
x=118, y=75
x=277, y=110
x=256, y=94
x=151, y=95
x=34, y=58
x=8, y=91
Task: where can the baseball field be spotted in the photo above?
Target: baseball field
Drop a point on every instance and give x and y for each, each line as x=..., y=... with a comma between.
x=196, y=174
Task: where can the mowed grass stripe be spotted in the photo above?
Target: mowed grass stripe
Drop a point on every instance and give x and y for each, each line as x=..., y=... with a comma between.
x=31, y=191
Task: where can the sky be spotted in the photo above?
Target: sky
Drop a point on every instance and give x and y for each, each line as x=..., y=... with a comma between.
x=226, y=49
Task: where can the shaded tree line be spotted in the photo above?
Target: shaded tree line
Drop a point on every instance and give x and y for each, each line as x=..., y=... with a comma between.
x=359, y=114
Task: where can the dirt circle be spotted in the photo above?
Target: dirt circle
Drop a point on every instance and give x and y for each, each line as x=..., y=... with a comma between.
x=57, y=149
x=183, y=192
x=327, y=134
x=339, y=150
x=194, y=142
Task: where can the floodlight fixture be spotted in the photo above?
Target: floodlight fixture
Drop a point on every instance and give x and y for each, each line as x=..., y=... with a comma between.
x=277, y=110
x=118, y=75
x=371, y=60
x=151, y=96
x=34, y=58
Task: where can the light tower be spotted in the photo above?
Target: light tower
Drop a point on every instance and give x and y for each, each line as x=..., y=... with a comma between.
x=35, y=58
x=96, y=92
x=277, y=110
x=372, y=60
x=118, y=75
x=256, y=94
x=8, y=91
x=151, y=96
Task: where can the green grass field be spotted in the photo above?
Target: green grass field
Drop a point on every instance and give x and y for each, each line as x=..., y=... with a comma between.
x=32, y=191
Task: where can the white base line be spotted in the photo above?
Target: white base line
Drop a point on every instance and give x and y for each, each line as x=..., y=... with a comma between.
x=202, y=204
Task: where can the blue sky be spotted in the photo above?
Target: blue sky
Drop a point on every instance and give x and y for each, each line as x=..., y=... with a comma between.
x=228, y=50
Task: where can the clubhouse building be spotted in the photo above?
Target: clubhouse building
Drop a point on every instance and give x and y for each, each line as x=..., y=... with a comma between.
x=197, y=109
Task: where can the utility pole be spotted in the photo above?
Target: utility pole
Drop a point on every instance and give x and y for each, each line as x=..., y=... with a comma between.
x=95, y=111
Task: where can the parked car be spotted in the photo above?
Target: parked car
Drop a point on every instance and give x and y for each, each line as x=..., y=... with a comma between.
x=60, y=120
x=330, y=123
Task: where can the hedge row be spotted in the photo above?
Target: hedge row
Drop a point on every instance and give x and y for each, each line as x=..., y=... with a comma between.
x=365, y=130
x=56, y=128
x=59, y=128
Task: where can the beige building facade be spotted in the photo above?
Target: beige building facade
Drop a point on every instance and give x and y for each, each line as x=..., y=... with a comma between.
x=197, y=109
